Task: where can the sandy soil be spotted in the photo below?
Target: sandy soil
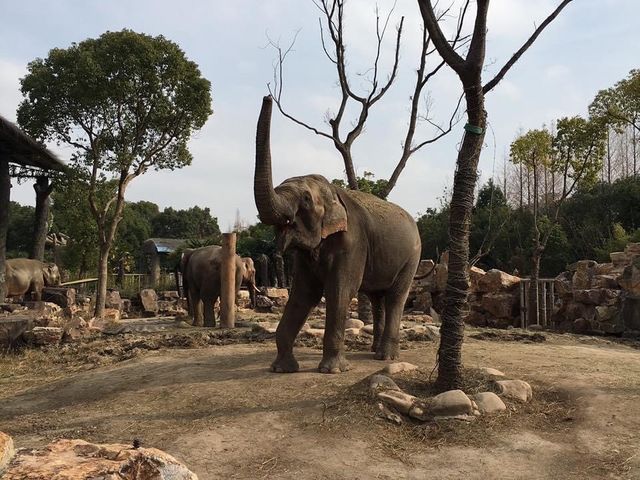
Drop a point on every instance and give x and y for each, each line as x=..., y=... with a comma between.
x=219, y=410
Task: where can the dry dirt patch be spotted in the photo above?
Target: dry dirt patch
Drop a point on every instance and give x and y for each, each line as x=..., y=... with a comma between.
x=218, y=409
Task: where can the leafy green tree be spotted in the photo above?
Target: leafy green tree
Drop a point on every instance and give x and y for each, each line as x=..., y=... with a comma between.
x=126, y=102
x=368, y=183
x=194, y=223
x=20, y=230
x=620, y=104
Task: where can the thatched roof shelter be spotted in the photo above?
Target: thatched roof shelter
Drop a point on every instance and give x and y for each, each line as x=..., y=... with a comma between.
x=18, y=148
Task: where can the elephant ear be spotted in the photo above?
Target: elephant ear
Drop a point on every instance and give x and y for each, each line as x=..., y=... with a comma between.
x=335, y=215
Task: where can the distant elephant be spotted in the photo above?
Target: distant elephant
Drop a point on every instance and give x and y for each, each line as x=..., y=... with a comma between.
x=201, y=279
x=344, y=241
x=180, y=272
x=24, y=275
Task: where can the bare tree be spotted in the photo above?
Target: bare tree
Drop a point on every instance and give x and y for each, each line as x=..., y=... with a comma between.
x=332, y=27
x=469, y=70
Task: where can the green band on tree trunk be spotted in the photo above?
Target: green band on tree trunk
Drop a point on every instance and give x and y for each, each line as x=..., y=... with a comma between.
x=474, y=129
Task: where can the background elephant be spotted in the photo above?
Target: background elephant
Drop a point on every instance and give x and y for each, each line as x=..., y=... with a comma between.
x=201, y=279
x=24, y=275
x=344, y=241
x=180, y=271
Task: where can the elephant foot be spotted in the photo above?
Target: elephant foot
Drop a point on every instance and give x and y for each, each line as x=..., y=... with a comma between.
x=386, y=351
x=285, y=364
x=335, y=364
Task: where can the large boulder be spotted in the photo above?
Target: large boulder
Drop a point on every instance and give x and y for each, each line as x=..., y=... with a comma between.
x=71, y=459
x=7, y=451
x=62, y=296
x=596, y=296
x=41, y=336
x=630, y=278
x=149, y=301
x=278, y=296
x=113, y=300
x=489, y=402
x=584, y=273
x=475, y=275
x=497, y=280
x=618, y=259
x=449, y=404
x=563, y=286
x=423, y=301
x=500, y=305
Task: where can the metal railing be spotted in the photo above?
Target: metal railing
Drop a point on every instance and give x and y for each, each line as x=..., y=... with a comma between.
x=128, y=284
x=536, y=302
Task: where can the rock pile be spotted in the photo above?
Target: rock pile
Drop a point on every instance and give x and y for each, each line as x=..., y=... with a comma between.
x=602, y=297
x=80, y=459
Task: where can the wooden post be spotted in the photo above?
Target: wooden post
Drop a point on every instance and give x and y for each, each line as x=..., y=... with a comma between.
x=228, y=281
x=5, y=196
x=43, y=190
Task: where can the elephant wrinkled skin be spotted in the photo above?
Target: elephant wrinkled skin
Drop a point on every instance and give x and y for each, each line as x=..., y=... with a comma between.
x=344, y=241
x=201, y=281
x=24, y=275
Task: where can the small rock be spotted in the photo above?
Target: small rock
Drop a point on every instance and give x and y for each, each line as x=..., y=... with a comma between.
x=399, y=367
x=404, y=403
x=7, y=451
x=382, y=382
x=353, y=323
x=491, y=371
x=388, y=414
x=315, y=332
x=489, y=402
x=516, y=389
x=352, y=331
x=264, y=327
x=451, y=403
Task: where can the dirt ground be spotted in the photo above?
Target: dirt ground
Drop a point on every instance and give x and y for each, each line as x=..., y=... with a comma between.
x=218, y=409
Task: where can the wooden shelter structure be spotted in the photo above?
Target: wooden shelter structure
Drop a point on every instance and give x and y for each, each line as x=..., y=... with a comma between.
x=23, y=157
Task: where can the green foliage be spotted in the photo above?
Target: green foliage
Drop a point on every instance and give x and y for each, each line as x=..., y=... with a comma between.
x=20, y=230
x=533, y=149
x=620, y=104
x=194, y=222
x=368, y=184
x=256, y=240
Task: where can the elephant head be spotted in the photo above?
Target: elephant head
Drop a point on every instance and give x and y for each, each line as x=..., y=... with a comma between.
x=51, y=274
x=305, y=210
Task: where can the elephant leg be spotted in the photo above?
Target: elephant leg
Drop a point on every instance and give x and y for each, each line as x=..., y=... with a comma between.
x=338, y=297
x=377, y=309
x=209, y=312
x=305, y=294
x=395, y=299
x=196, y=306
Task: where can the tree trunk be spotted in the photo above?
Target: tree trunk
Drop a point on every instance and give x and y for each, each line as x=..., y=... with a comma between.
x=5, y=196
x=43, y=189
x=103, y=277
x=452, y=329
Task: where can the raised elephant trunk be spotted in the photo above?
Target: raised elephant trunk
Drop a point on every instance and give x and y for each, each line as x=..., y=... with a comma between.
x=272, y=207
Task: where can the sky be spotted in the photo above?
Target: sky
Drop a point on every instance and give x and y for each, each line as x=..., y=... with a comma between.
x=590, y=46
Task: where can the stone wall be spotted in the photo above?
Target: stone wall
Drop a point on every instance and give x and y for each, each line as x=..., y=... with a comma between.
x=601, y=298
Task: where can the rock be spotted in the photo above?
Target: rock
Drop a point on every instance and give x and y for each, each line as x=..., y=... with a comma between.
x=113, y=300
x=501, y=305
x=604, y=269
x=263, y=303
x=264, y=327
x=581, y=325
x=491, y=371
x=62, y=296
x=399, y=367
x=632, y=250
x=379, y=382
x=563, y=286
x=441, y=275
x=7, y=451
x=126, y=305
x=475, y=275
x=40, y=336
x=13, y=328
x=583, y=276
x=353, y=323
x=71, y=459
x=451, y=403
x=630, y=313
x=618, y=259
x=606, y=313
x=368, y=329
x=425, y=267
x=596, y=296
x=435, y=316
x=605, y=281
x=110, y=322
x=388, y=414
x=516, y=389
x=315, y=332
x=476, y=318
x=169, y=295
x=434, y=331
x=630, y=278
x=149, y=301
x=352, y=331
x=404, y=403
x=279, y=296
x=419, y=333
x=423, y=301
x=489, y=402
x=496, y=280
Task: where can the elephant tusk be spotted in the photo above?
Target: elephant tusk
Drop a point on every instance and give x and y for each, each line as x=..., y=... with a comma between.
x=256, y=289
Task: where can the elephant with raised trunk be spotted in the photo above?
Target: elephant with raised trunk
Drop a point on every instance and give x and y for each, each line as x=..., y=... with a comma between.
x=344, y=241
x=201, y=270
x=24, y=275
